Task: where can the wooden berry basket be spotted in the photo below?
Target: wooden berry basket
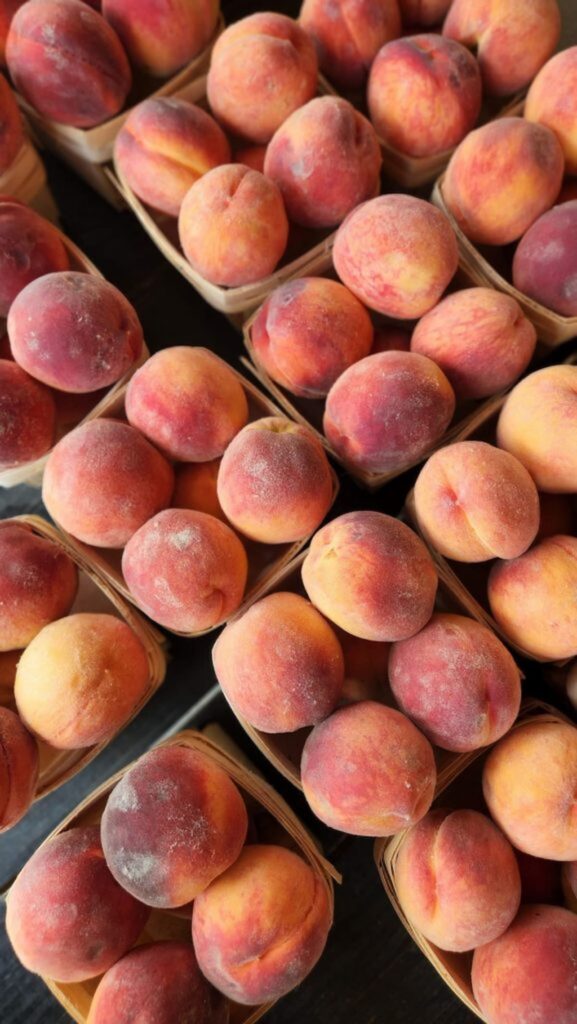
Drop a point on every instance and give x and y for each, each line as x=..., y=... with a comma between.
x=263, y=804
x=264, y=560
x=88, y=150
x=459, y=785
x=94, y=595
x=26, y=180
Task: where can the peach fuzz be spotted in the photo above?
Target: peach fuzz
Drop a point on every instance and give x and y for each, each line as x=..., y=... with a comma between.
x=233, y=226
x=349, y=35
x=161, y=36
x=397, y=254
x=501, y=178
x=545, y=261
x=366, y=668
x=387, y=411
x=186, y=570
x=249, y=54
x=103, y=481
x=27, y=417
x=173, y=823
x=423, y=13
x=29, y=247
x=11, y=130
x=275, y=484
x=195, y=488
x=74, y=332
x=325, y=159
x=38, y=583
x=551, y=101
x=368, y=771
x=530, y=972
x=540, y=879
x=532, y=598
x=529, y=781
x=371, y=575
x=537, y=425
x=187, y=402
x=308, y=332
x=457, y=879
x=474, y=502
x=388, y=338
x=512, y=42
x=18, y=769
x=66, y=917
x=163, y=980
x=164, y=146
x=67, y=62
x=260, y=928
x=457, y=682
x=424, y=94
x=280, y=665
x=80, y=679
x=480, y=338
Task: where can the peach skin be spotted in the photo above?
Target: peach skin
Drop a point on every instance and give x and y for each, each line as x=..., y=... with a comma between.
x=349, y=35
x=27, y=416
x=29, y=247
x=423, y=13
x=161, y=36
x=11, y=128
x=551, y=101
x=18, y=769
x=545, y=261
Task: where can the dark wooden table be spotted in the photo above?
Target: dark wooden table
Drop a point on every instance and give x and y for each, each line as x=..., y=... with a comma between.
x=371, y=971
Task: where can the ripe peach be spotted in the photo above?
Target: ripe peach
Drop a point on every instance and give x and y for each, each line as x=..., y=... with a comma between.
x=195, y=488
x=423, y=13
x=11, y=130
x=397, y=254
x=18, y=769
x=387, y=411
x=545, y=262
x=501, y=178
x=161, y=36
x=349, y=35
x=27, y=417
x=29, y=247
x=551, y=101
x=474, y=502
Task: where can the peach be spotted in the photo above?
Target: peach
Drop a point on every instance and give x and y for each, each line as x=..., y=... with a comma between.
x=457, y=682
x=325, y=159
x=368, y=771
x=8, y=9
x=530, y=972
x=260, y=928
x=195, y=488
x=371, y=575
x=387, y=411
x=251, y=54
x=103, y=481
x=558, y=514
x=551, y=101
x=388, y=338
x=540, y=879
x=545, y=262
x=27, y=417
x=186, y=570
x=397, y=254
x=457, y=879
x=511, y=42
x=161, y=36
x=164, y=146
x=251, y=156
x=11, y=130
x=233, y=226
x=474, y=502
x=74, y=332
x=173, y=823
x=424, y=94
x=537, y=425
x=366, y=668
x=29, y=247
x=531, y=598
x=280, y=665
x=529, y=781
x=188, y=402
x=66, y=917
x=81, y=679
x=67, y=62
x=308, y=332
x=348, y=36
x=501, y=178
x=38, y=583
x=18, y=769
x=274, y=483
x=480, y=338
x=162, y=981
x=423, y=13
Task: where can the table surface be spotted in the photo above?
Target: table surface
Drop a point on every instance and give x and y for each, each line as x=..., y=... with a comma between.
x=371, y=970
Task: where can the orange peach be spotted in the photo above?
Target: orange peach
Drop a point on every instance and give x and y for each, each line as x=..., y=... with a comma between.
x=423, y=13
x=551, y=101
x=161, y=36
x=545, y=262
x=11, y=130
x=29, y=247
x=347, y=36
x=195, y=488
x=18, y=769
x=27, y=417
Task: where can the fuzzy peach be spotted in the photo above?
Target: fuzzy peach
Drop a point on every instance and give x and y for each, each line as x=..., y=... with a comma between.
x=11, y=130
x=348, y=36
x=397, y=254
x=27, y=417
x=551, y=101
x=368, y=771
x=164, y=146
x=66, y=917
x=161, y=36
x=186, y=570
x=29, y=247
x=18, y=769
x=423, y=13
x=263, y=49
x=501, y=178
x=545, y=262
x=480, y=338
x=308, y=332
x=387, y=411
x=474, y=502
x=67, y=62
x=195, y=488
